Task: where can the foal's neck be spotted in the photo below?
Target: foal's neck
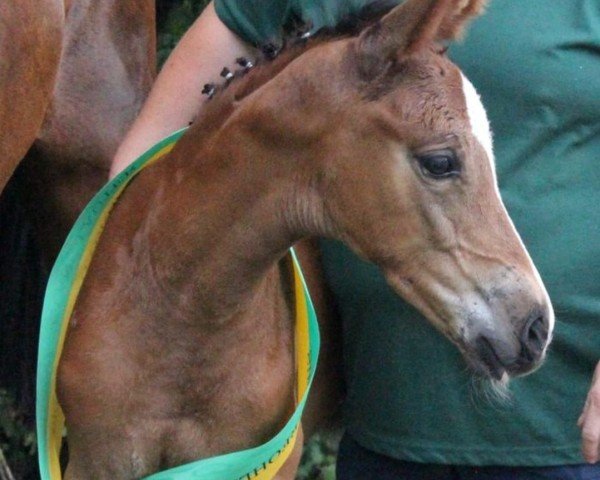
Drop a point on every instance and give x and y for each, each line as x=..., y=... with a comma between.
x=227, y=208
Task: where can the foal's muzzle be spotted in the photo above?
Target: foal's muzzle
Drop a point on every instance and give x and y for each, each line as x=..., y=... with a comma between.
x=516, y=354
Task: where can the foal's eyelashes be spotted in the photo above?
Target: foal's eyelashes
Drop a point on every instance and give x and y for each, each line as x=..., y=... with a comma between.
x=439, y=164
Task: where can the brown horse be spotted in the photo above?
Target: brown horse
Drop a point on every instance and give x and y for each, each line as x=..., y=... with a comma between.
x=30, y=42
x=70, y=68
x=105, y=72
x=180, y=344
x=73, y=76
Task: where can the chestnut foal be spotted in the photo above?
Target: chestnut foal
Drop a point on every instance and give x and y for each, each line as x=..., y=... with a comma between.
x=106, y=69
x=72, y=66
x=180, y=344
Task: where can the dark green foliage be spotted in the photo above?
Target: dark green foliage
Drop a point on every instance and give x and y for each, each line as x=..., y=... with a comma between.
x=318, y=459
x=17, y=441
x=23, y=283
x=173, y=19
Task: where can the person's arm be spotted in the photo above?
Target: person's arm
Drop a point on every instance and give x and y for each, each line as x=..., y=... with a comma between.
x=589, y=421
x=176, y=96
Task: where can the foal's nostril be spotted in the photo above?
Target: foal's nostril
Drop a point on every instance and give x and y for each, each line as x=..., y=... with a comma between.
x=534, y=337
x=535, y=334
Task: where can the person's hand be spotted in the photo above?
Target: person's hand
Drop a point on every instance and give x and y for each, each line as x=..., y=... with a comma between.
x=589, y=421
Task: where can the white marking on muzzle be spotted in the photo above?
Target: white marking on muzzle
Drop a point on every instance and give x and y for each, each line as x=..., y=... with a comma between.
x=480, y=126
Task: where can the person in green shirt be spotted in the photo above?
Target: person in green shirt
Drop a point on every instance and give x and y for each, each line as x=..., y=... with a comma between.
x=411, y=409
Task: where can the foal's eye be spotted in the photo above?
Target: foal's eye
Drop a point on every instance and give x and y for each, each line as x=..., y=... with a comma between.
x=440, y=164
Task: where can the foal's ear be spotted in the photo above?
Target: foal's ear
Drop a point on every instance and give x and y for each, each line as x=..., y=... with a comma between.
x=413, y=26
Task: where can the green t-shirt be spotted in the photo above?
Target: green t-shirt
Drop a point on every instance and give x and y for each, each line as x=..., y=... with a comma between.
x=536, y=65
x=262, y=21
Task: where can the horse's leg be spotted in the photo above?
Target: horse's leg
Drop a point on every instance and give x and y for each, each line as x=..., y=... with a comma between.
x=105, y=73
x=30, y=45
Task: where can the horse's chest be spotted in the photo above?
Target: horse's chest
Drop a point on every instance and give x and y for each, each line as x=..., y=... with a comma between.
x=245, y=394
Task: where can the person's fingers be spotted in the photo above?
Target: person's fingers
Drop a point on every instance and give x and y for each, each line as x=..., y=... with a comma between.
x=583, y=412
x=596, y=377
x=590, y=434
x=589, y=421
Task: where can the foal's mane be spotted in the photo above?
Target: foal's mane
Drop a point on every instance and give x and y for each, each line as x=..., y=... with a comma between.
x=274, y=58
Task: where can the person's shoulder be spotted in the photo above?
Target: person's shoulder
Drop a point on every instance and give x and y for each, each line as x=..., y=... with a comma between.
x=254, y=21
x=263, y=21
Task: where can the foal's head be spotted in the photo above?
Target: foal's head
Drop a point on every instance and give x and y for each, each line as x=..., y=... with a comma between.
x=404, y=173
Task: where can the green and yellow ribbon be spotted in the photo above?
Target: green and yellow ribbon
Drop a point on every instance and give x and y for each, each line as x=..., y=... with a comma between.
x=66, y=279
